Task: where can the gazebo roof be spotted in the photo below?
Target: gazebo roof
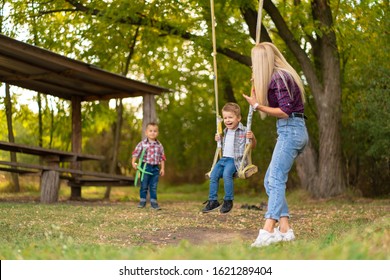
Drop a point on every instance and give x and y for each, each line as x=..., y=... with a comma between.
x=38, y=69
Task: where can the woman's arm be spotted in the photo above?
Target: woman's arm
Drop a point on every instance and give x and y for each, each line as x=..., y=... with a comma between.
x=275, y=112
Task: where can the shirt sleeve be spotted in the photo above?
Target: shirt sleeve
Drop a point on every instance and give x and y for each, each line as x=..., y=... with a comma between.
x=163, y=157
x=137, y=151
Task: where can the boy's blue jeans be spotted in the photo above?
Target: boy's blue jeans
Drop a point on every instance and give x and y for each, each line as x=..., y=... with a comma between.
x=224, y=168
x=292, y=139
x=150, y=182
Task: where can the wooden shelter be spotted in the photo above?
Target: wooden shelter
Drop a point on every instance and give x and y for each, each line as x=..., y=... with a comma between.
x=38, y=69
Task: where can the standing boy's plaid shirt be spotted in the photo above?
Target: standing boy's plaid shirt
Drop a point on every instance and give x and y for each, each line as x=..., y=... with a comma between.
x=239, y=144
x=154, y=153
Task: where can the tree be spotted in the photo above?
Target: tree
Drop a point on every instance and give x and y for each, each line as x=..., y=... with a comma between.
x=174, y=48
x=366, y=96
x=323, y=170
x=11, y=137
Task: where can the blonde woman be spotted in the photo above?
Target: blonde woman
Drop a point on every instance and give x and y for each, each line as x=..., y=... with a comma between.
x=278, y=92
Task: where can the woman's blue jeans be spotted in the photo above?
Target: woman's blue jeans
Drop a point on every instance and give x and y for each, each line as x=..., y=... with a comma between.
x=224, y=168
x=150, y=183
x=292, y=139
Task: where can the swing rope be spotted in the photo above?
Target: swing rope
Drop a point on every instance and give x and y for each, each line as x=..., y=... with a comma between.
x=246, y=168
x=218, y=151
x=259, y=17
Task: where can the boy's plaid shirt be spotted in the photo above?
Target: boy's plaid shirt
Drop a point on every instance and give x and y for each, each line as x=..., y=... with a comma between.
x=154, y=153
x=239, y=144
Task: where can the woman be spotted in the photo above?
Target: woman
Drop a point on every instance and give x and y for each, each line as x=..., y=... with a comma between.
x=278, y=92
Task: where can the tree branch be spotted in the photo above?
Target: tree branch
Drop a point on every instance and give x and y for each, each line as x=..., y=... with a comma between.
x=82, y=8
x=56, y=11
x=143, y=20
x=243, y=59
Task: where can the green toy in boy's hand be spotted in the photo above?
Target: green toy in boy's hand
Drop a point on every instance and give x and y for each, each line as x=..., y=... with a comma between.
x=141, y=170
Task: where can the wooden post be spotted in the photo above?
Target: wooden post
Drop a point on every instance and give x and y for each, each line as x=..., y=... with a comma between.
x=149, y=110
x=75, y=192
x=50, y=181
x=50, y=184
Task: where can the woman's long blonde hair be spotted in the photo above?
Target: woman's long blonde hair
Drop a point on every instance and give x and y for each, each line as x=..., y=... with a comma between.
x=267, y=59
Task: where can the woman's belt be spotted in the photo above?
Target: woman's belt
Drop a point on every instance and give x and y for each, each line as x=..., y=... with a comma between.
x=298, y=115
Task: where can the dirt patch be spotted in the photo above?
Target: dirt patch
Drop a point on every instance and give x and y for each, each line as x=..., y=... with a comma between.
x=184, y=221
x=200, y=236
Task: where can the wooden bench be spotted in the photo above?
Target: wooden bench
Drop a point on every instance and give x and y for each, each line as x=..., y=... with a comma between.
x=51, y=172
x=18, y=170
x=92, y=179
x=102, y=182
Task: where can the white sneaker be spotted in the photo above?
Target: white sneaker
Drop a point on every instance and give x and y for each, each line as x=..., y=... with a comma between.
x=286, y=236
x=266, y=238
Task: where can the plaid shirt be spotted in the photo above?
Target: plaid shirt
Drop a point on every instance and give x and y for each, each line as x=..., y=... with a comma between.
x=239, y=144
x=278, y=95
x=154, y=153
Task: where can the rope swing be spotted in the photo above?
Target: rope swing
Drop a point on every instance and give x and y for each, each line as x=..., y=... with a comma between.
x=246, y=168
x=250, y=169
x=218, y=151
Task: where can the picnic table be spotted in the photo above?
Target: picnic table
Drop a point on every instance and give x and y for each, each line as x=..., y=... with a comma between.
x=51, y=172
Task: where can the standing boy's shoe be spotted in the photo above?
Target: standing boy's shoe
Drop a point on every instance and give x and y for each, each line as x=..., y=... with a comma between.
x=211, y=206
x=141, y=204
x=286, y=236
x=155, y=206
x=266, y=238
x=226, y=206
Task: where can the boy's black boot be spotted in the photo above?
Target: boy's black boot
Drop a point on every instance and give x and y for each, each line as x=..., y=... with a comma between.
x=226, y=206
x=210, y=206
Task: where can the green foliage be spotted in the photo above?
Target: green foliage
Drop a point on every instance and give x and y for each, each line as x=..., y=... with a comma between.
x=366, y=96
x=172, y=48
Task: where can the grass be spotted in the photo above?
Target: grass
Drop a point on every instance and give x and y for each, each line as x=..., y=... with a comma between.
x=343, y=229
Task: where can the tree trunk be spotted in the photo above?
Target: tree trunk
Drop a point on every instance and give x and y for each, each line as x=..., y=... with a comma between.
x=228, y=89
x=321, y=172
x=119, y=122
x=307, y=168
x=115, y=148
x=11, y=138
x=75, y=192
x=331, y=179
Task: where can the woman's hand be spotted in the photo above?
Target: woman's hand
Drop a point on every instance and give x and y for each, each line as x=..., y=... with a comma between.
x=251, y=99
x=217, y=137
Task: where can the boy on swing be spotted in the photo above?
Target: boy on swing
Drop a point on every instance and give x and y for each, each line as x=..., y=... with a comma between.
x=233, y=147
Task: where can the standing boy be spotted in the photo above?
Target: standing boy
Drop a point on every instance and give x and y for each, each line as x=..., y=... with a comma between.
x=233, y=147
x=153, y=158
